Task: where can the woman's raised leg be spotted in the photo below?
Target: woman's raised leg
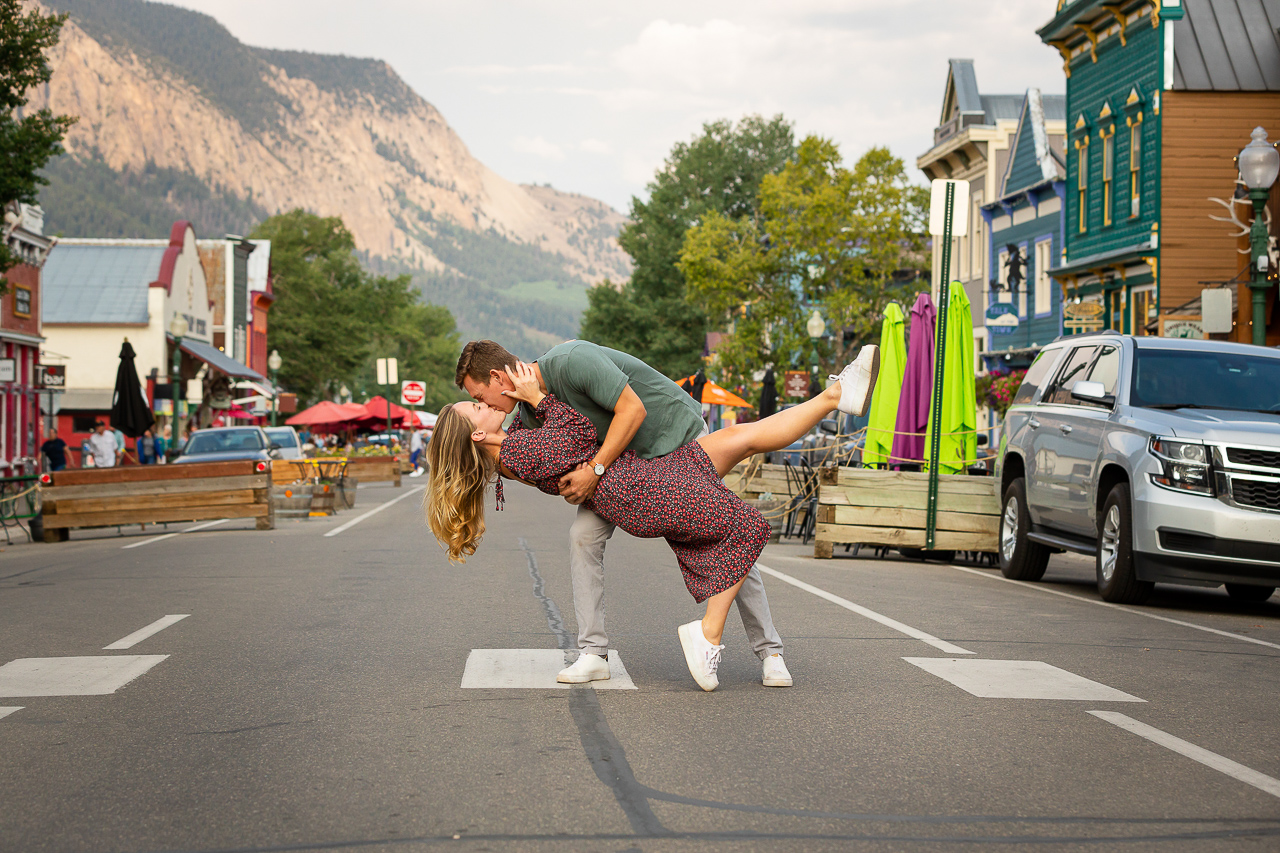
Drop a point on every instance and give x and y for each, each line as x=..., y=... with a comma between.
x=727, y=447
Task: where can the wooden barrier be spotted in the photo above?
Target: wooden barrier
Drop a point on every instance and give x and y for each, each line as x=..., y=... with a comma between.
x=151, y=494
x=374, y=469
x=867, y=507
x=751, y=479
x=287, y=471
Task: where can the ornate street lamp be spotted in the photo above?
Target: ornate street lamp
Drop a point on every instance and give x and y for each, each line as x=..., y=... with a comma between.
x=274, y=361
x=1259, y=164
x=815, y=327
x=177, y=328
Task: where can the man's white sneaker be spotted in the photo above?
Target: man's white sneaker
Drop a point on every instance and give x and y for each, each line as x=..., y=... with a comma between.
x=702, y=656
x=417, y=472
x=586, y=668
x=775, y=672
x=858, y=380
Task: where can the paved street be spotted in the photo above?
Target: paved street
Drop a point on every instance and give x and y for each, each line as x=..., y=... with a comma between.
x=312, y=698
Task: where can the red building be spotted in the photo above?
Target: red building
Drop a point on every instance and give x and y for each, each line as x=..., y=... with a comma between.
x=20, y=340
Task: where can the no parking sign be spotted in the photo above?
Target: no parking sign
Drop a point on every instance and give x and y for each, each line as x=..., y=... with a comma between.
x=412, y=393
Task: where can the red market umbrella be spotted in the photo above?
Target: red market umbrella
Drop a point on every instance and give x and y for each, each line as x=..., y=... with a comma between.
x=376, y=410
x=326, y=412
x=715, y=395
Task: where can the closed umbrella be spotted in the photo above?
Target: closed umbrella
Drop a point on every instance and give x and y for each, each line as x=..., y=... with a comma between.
x=959, y=421
x=917, y=385
x=768, y=395
x=714, y=394
x=884, y=400
x=129, y=410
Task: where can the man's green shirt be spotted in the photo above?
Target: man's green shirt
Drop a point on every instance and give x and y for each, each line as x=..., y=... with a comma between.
x=590, y=378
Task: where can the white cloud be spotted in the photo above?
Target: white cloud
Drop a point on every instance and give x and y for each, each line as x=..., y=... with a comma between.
x=595, y=146
x=538, y=147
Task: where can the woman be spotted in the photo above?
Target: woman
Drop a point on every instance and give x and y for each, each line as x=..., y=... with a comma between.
x=680, y=497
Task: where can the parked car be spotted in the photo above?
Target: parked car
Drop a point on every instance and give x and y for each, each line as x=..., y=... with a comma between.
x=1158, y=456
x=286, y=439
x=225, y=444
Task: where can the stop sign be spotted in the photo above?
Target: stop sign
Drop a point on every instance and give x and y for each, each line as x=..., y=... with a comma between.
x=412, y=393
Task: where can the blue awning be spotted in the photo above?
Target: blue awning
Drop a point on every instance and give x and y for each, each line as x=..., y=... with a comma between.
x=219, y=360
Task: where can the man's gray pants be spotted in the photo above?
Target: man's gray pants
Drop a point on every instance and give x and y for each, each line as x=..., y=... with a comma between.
x=587, y=538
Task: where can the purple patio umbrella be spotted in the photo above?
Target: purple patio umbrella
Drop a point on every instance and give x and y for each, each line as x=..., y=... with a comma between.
x=917, y=385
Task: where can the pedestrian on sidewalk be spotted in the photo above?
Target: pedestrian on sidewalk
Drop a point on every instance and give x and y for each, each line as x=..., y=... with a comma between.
x=54, y=450
x=679, y=496
x=103, y=448
x=415, y=452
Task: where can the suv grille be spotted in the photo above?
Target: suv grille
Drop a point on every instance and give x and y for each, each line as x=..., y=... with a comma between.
x=1262, y=494
x=1257, y=458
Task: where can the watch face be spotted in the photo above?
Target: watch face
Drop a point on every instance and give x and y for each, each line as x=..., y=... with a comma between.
x=599, y=470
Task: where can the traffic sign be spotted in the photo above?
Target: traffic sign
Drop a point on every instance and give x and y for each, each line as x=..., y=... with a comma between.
x=412, y=392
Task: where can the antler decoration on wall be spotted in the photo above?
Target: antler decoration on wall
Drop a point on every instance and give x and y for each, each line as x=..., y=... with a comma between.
x=1233, y=217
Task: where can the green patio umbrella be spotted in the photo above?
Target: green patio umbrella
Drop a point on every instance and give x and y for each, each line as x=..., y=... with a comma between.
x=884, y=400
x=958, y=425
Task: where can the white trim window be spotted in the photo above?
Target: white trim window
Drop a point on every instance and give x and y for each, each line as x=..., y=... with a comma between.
x=1044, y=284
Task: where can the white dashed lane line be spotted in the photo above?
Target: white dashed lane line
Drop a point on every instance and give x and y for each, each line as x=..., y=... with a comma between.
x=914, y=633
x=377, y=509
x=1019, y=679
x=1135, y=611
x=171, y=535
x=4, y=712
x=1235, y=770
x=142, y=633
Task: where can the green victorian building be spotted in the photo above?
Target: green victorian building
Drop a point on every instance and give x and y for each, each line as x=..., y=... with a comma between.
x=1160, y=98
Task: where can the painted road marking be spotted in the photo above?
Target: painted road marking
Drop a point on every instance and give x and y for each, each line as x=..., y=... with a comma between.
x=1133, y=610
x=915, y=633
x=73, y=676
x=4, y=712
x=171, y=535
x=533, y=668
x=142, y=633
x=1018, y=679
x=377, y=509
x=1235, y=770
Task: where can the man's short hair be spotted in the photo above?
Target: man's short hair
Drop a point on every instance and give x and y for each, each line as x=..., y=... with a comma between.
x=480, y=357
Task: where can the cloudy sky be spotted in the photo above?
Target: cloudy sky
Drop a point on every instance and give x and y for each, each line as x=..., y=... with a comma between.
x=590, y=96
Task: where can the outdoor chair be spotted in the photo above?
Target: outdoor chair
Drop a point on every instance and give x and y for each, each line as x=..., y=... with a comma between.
x=802, y=483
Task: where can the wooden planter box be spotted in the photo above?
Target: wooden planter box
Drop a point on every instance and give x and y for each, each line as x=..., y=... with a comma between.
x=150, y=494
x=374, y=469
x=866, y=507
x=749, y=480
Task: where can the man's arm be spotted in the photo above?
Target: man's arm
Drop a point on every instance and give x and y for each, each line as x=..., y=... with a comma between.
x=628, y=414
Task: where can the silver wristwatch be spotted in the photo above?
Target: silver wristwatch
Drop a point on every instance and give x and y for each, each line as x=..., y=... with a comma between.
x=599, y=469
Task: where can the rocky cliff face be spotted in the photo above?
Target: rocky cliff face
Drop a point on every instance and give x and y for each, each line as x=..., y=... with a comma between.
x=271, y=130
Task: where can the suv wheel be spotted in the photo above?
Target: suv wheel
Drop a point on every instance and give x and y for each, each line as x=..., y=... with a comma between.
x=1117, y=579
x=1020, y=559
x=1249, y=593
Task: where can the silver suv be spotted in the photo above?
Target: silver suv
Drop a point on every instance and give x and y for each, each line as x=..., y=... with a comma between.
x=1159, y=456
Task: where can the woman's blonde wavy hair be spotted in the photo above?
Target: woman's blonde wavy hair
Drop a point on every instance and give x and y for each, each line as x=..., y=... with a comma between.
x=461, y=471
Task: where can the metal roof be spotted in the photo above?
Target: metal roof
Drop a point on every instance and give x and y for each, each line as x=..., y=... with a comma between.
x=1227, y=46
x=999, y=107
x=99, y=283
x=219, y=360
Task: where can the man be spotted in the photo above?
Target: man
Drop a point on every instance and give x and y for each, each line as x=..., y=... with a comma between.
x=415, y=452
x=102, y=446
x=54, y=450
x=633, y=407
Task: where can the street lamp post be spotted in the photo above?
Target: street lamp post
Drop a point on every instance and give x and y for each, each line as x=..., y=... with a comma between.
x=815, y=327
x=177, y=328
x=274, y=361
x=1259, y=164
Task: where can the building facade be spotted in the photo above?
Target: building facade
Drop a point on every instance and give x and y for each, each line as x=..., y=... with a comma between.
x=1160, y=98
x=21, y=338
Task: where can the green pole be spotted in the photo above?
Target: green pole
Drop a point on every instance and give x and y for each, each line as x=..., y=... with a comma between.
x=939, y=364
x=1258, y=283
x=176, y=378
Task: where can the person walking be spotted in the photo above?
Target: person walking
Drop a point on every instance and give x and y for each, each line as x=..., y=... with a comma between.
x=145, y=447
x=633, y=408
x=54, y=450
x=680, y=497
x=415, y=452
x=103, y=449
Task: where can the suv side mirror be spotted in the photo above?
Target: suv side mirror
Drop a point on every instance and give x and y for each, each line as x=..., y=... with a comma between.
x=983, y=440
x=828, y=426
x=1091, y=392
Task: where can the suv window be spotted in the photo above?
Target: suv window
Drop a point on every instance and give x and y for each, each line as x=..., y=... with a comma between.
x=1106, y=370
x=1037, y=373
x=1072, y=372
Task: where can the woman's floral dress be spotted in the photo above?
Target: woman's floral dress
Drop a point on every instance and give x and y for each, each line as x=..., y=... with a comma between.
x=679, y=497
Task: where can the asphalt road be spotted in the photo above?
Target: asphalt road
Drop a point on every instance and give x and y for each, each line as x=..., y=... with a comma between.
x=312, y=699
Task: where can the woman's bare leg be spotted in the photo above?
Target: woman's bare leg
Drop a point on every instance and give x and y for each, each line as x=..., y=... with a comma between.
x=727, y=447
x=718, y=612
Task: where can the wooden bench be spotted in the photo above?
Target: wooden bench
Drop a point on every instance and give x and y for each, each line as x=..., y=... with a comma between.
x=151, y=494
x=866, y=507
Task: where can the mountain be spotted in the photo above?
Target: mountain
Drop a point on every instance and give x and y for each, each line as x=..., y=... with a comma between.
x=179, y=119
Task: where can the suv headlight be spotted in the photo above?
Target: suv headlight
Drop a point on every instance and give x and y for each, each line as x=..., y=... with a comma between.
x=1187, y=466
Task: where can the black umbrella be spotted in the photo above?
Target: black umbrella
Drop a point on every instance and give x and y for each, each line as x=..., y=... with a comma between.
x=768, y=395
x=129, y=410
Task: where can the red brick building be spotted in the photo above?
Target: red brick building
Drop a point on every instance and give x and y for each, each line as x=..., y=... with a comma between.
x=20, y=340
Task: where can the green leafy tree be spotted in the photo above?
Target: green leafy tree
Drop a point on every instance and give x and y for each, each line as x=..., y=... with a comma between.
x=842, y=241
x=332, y=318
x=717, y=172
x=27, y=142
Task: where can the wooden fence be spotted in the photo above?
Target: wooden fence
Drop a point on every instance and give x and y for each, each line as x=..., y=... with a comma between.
x=374, y=469
x=866, y=507
x=151, y=494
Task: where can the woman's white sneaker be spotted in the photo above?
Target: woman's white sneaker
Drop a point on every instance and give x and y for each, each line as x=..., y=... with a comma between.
x=702, y=656
x=586, y=668
x=775, y=672
x=858, y=380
